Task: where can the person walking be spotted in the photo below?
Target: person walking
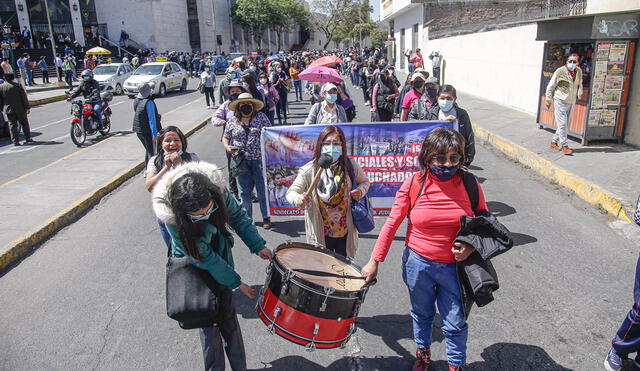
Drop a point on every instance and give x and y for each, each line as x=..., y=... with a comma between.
x=271, y=93
x=436, y=61
x=241, y=139
x=58, y=63
x=421, y=107
x=280, y=80
x=565, y=87
x=297, y=83
x=434, y=200
x=383, y=97
x=15, y=105
x=328, y=220
x=42, y=64
x=327, y=112
x=22, y=69
x=146, y=119
x=208, y=85
x=29, y=64
x=417, y=59
x=67, y=68
x=196, y=208
x=417, y=89
x=230, y=76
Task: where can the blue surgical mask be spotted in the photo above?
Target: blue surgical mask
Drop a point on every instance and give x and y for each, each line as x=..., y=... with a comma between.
x=180, y=152
x=246, y=86
x=445, y=104
x=444, y=173
x=331, y=98
x=206, y=70
x=202, y=218
x=332, y=150
x=231, y=76
x=571, y=66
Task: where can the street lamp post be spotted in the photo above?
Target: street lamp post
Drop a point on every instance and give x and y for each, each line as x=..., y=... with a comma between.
x=53, y=42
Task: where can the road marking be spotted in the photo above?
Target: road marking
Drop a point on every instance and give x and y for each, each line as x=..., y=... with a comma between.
x=56, y=161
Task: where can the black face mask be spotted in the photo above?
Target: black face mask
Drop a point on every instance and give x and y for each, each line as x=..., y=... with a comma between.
x=246, y=109
x=418, y=84
x=233, y=97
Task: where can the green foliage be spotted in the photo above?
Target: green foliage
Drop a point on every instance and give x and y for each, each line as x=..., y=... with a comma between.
x=378, y=37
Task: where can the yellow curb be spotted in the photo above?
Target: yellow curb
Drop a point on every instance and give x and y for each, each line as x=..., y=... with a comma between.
x=17, y=248
x=588, y=191
x=56, y=98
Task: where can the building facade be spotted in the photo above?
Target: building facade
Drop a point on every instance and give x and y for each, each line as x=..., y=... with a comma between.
x=505, y=51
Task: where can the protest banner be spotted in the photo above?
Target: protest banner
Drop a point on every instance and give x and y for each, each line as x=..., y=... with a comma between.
x=387, y=152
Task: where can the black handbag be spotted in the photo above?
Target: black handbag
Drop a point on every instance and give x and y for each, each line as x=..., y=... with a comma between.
x=238, y=164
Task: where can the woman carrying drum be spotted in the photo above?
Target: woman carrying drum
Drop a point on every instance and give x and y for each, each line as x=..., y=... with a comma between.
x=434, y=199
x=196, y=207
x=327, y=206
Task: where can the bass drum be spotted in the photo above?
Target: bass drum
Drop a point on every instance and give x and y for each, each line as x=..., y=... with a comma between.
x=311, y=296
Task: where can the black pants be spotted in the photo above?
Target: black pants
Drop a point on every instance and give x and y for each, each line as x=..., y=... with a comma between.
x=337, y=245
x=60, y=73
x=233, y=183
x=22, y=120
x=147, y=143
x=281, y=107
x=221, y=339
x=208, y=94
x=68, y=78
x=436, y=73
x=45, y=76
x=384, y=115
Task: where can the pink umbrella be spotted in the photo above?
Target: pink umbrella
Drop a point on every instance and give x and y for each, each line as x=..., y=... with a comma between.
x=329, y=60
x=320, y=74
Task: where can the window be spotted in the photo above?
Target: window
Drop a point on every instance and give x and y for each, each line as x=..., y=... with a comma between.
x=193, y=24
x=402, y=48
x=414, y=37
x=175, y=67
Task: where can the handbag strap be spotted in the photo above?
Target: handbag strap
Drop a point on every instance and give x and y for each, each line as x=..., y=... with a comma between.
x=470, y=185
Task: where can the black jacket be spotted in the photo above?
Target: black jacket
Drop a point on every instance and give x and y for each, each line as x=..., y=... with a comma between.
x=464, y=123
x=89, y=89
x=477, y=276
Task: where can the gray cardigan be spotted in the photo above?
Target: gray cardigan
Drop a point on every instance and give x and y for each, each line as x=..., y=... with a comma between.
x=315, y=115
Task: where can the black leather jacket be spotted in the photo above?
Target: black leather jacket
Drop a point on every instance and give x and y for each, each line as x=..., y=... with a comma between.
x=90, y=89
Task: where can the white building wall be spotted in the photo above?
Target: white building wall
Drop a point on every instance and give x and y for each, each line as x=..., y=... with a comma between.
x=171, y=27
x=502, y=66
x=405, y=20
x=137, y=20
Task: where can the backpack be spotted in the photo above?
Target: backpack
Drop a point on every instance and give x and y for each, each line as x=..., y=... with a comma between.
x=470, y=184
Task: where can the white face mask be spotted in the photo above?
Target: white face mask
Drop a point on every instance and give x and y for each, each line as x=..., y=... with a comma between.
x=332, y=150
x=263, y=81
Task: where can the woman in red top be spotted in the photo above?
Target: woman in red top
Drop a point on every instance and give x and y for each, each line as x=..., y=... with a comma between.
x=434, y=199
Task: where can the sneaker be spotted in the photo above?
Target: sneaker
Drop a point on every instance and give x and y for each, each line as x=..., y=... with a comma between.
x=17, y=144
x=366, y=103
x=613, y=362
x=553, y=145
x=423, y=361
x=266, y=223
x=566, y=150
x=455, y=368
x=29, y=140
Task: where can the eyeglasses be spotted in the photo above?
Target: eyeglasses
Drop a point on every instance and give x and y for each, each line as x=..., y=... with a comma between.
x=442, y=158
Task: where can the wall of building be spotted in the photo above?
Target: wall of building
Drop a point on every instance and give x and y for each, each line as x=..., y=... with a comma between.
x=606, y=6
x=502, y=66
x=632, y=129
x=171, y=28
x=135, y=20
x=406, y=20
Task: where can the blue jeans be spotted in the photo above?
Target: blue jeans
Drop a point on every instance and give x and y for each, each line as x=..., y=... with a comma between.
x=297, y=85
x=246, y=182
x=627, y=338
x=166, y=237
x=355, y=77
x=97, y=108
x=432, y=282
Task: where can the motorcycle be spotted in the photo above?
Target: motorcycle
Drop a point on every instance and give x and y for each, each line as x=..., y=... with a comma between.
x=85, y=122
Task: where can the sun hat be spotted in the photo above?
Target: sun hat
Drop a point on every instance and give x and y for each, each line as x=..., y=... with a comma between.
x=233, y=84
x=417, y=75
x=432, y=80
x=246, y=97
x=328, y=86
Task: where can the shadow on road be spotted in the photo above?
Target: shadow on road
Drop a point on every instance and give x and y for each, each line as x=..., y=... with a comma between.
x=292, y=228
x=500, y=209
x=244, y=306
x=520, y=239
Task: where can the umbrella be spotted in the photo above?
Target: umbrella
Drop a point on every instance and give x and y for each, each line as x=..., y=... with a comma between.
x=98, y=51
x=239, y=59
x=320, y=74
x=306, y=53
x=273, y=57
x=329, y=60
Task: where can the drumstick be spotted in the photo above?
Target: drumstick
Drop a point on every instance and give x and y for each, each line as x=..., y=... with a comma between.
x=324, y=162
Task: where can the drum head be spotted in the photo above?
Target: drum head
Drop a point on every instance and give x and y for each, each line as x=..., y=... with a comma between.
x=315, y=259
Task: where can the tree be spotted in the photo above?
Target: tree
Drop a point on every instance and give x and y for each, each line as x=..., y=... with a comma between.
x=253, y=15
x=327, y=15
x=285, y=14
x=378, y=37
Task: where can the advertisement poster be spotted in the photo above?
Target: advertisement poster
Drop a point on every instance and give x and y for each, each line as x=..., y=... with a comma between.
x=612, y=97
x=387, y=152
x=595, y=117
x=603, y=51
x=614, y=82
x=601, y=68
x=615, y=68
x=617, y=53
x=608, y=117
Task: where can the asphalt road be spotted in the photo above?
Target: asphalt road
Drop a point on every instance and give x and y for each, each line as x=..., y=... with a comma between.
x=50, y=124
x=92, y=297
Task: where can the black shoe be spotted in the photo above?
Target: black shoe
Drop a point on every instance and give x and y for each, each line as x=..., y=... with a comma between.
x=17, y=144
x=254, y=198
x=29, y=140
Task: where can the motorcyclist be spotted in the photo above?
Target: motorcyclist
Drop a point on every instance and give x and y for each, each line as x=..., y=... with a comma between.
x=90, y=89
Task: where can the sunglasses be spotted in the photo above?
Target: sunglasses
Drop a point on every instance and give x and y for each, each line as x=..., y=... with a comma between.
x=442, y=158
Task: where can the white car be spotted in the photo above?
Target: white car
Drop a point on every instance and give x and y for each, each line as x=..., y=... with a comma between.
x=166, y=76
x=112, y=76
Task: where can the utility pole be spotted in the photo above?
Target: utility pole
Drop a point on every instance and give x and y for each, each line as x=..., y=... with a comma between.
x=53, y=41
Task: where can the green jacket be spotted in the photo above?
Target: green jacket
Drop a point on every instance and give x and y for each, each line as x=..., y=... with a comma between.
x=214, y=247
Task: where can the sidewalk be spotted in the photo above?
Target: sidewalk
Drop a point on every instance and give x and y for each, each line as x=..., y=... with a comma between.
x=605, y=174
x=40, y=203
x=46, y=94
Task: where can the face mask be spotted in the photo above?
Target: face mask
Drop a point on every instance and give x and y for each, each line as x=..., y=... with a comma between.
x=432, y=92
x=263, y=81
x=231, y=76
x=246, y=86
x=334, y=151
x=445, y=105
x=206, y=70
x=252, y=68
x=331, y=98
x=86, y=78
x=246, y=109
x=571, y=66
x=279, y=69
x=444, y=173
x=205, y=217
x=392, y=71
x=180, y=152
x=418, y=84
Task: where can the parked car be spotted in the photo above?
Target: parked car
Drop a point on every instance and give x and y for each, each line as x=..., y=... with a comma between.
x=112, y=76
x=220, y=64
x=167, y=76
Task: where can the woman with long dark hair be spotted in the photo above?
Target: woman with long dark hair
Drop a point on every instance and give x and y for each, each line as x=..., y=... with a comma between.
x=200, y=213
x=434, y=200
x=171, y=149
x=327, y=216
x=251, y=86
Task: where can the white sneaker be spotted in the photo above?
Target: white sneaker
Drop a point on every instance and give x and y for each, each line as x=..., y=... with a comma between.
x=366, y=103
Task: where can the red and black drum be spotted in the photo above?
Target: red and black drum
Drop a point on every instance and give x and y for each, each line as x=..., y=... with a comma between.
x=311, y=296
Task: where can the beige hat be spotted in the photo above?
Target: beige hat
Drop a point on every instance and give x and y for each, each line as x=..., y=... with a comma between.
x=417, y=75
x=247, y=97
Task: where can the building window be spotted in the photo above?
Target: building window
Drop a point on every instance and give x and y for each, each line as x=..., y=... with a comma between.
x=402, y=48
x=60, y=18
x=193, y=24
x=414, y=37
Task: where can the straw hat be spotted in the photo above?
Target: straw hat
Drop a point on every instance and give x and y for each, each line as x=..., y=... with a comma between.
x=246, y=97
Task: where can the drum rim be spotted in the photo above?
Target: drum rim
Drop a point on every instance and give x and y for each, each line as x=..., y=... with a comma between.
x=314, y=287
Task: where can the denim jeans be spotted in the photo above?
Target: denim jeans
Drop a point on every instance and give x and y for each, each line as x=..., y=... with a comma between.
x=431, y=283
x=97, y=108
x=246, y=182
x=297, y=85
x=355, y=77
x=627, y=338
x=166, y=237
